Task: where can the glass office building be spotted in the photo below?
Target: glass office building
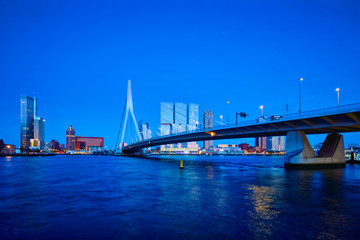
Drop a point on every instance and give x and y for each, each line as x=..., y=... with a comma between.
x=39, y=131
x=208, y=124
x=275, y=143
x=180, y=113
x=27, y=121
x=70, y=138
x=166, y=118
x=193, y=117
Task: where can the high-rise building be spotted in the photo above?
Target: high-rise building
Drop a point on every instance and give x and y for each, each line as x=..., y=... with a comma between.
x=180, y=119
x=192, y=122
x=275, y=143
x=70, y=138
x=32, y=126
x=166, y=118
x=208, y=122
x=260, y=142
x=27, y=121
x=39, y=131
x=193, y=117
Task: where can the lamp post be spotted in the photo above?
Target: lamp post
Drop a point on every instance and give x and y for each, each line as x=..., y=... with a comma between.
x=300, y=79
x=227, y=110
x=338, y=97
x=221, y=118
x=262, y=111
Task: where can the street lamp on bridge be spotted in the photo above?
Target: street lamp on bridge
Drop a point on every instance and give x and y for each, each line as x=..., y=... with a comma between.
x=227, y=110
x=221, y=118
x=338, y=97
x=300, y=80
x=262, y=111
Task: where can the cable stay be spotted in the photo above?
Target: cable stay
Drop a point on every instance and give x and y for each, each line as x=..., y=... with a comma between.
x=122, y=118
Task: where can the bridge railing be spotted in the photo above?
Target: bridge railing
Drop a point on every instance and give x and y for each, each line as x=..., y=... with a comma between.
x=294, y=116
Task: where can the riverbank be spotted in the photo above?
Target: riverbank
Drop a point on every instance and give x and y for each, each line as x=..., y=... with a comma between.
x=28, y=155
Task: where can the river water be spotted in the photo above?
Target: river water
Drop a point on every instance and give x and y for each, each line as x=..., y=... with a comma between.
x=213, y=197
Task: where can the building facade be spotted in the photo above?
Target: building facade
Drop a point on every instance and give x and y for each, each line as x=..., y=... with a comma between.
x=70, y=138
x=27, y=121
x=55, y=145
x=89, y=144
x=177, y=118
x=39, y=132
x=275, y=143
x=180, y=121
x=6, y=148
x=32, y=126
x=166, y=118
x=208, y=123
x=193, y=117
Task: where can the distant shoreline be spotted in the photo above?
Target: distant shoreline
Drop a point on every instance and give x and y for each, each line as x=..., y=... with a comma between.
x=28, y=155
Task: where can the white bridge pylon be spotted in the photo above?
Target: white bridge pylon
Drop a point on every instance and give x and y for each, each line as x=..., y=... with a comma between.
x=129, y=108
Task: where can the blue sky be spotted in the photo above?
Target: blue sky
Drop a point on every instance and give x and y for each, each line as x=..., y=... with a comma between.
x=77, y=57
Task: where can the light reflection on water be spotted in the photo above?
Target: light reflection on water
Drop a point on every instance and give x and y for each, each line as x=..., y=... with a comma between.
x=218, y=197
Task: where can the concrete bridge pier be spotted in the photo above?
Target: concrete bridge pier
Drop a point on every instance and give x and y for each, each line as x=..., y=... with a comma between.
x=299, y=153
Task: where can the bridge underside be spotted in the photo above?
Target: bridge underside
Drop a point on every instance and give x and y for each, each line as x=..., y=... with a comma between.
x=336, y=123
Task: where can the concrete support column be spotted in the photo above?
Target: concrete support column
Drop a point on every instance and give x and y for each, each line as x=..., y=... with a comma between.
x=299, y=153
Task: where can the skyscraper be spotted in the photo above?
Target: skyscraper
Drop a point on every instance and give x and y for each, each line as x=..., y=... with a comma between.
x=38, y=139
x=192, y=121
x=70, y=139
x=39, y=131
x=208, y=123
x=27, y=121
x=260, y=142
x=275, y=143
x=193, y=117
x=166, y=118
x=180, y=119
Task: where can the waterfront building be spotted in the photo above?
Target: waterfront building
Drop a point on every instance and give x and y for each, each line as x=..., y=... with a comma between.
x=144, y=130
x=47, y=146
x=228, y=149
x=166, y=118
x=70, y=138
x=32, y=126
x=244, y=146
x=260, y=142
x=208, y=123
x=6, y=148
x=89, y=144
x=27, y=121
x=34, y=143
x=275, y=143
x=192, y=122
x=39, y=132
x=180, y=117
x=193, y=117
x=54, y=145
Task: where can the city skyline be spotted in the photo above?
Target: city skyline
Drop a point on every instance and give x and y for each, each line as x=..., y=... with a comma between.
x=79, y=68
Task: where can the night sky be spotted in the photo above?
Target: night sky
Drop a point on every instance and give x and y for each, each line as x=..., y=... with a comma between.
x=76, y=59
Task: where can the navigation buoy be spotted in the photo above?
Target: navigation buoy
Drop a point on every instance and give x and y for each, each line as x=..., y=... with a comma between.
x=181, y=164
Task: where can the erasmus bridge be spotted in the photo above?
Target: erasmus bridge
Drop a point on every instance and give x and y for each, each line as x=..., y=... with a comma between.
x=299, y=153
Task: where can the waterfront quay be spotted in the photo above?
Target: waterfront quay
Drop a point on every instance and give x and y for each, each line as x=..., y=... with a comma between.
x=218, y=197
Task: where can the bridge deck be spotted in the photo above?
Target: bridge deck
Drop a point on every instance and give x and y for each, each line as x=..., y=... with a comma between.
x=332, y=120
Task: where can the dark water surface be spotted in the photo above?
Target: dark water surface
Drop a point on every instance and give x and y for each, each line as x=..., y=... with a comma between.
x=218, y=197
